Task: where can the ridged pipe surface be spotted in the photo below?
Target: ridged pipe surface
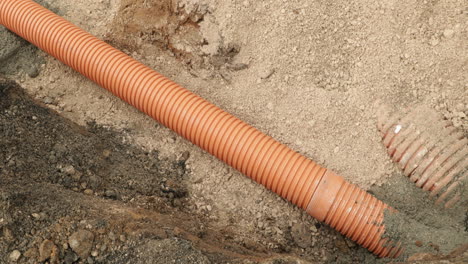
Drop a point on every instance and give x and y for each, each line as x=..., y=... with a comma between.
x=324, y=195
x=429, y=150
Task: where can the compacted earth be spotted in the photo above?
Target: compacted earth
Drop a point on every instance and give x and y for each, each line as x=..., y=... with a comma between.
x=85, y=178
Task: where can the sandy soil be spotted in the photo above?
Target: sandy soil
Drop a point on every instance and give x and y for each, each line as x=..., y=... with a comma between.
x=308, y=73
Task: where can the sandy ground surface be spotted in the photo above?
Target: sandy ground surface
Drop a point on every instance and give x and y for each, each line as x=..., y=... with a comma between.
x=309, y=73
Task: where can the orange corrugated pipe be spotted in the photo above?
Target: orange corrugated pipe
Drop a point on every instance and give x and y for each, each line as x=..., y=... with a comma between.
x=322, y=193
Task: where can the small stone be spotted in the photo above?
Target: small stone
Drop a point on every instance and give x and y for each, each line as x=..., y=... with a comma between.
x=36, y=216
x=88, y=192
x=341, y=245
x=185, y=156
x=434, y=42
x=33, y=72
x=106, y=153
x=15, y=255
x=94, y=253
x=70, y=257
x=8, y=234
x=81, y=242
x=48, y=100
x=418, y=243
x=47, y=250
x=122, y=238
x=69, y=169
x=209, y=208
x=110, y=194
x=94, y=181
x=301, y=235
x=313, y=229
x=103, y=248
x=448, y=33
x=278, y=231
x=112, y=236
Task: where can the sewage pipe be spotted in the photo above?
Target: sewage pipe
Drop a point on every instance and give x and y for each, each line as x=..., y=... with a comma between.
x=322, y=193
x=429, y=150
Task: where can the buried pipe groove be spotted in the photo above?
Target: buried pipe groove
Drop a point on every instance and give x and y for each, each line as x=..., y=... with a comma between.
x=429, y=150
x=322, y=193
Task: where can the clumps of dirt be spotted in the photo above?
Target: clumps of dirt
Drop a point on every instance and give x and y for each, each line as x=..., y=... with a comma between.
x=16, y=55
x=184, y=28
x=41, y=148
x=419, y=225
x=10, y=43
x=19, y=56
x=162, y=252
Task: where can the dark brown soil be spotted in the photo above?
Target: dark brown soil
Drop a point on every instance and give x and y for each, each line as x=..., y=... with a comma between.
x=58, y=178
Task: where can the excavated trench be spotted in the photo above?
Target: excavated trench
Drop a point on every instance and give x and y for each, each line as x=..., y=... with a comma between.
x=59, y=178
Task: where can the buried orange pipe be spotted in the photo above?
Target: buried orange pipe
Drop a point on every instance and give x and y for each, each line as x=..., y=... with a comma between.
x=323, y=194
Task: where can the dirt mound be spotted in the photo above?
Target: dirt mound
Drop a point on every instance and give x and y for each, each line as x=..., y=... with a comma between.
x=179, y=27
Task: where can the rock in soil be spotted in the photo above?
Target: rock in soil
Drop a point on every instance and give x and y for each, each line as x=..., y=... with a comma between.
x=81, y=242
x=15, y=255
x=301, y=235
x=48, y=250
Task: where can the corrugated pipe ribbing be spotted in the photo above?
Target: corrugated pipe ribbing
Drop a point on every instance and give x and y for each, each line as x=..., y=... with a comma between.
x=429, y=150
x=323, y=194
